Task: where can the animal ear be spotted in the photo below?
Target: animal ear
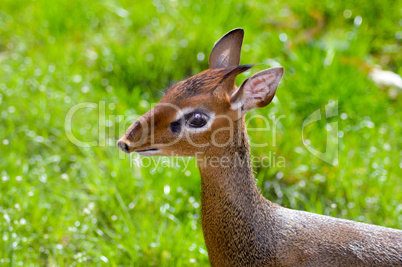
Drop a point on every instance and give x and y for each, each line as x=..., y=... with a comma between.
x=257, y=91
x=226, y=52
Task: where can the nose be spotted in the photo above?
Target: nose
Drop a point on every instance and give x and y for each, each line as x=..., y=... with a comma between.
x=123, y=146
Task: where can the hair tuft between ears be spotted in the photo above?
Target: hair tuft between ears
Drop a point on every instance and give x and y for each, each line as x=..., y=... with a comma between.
x=237, y=70
x=228, y=81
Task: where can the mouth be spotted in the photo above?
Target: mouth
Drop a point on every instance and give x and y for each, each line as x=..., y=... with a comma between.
x=144, y=152
x=147, y=152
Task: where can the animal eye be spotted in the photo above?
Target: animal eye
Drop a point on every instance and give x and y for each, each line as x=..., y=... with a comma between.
x=196, y=119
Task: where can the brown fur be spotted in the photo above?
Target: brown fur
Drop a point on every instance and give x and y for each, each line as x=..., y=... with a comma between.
x=241, y=227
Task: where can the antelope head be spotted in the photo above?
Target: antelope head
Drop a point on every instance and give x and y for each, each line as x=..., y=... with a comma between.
x=200, y=114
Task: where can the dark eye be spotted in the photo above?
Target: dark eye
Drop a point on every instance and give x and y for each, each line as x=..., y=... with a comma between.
x=196, y=119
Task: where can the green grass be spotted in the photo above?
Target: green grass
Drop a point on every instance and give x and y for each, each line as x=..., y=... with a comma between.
x=62, y=204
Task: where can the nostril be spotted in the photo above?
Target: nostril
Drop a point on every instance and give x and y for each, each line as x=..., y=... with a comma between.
x=123, y=146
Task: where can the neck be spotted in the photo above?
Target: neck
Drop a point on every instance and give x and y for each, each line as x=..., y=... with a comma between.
x=228, y=170
x=229, y=197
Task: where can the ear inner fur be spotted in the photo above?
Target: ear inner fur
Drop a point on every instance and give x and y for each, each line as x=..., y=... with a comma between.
x=258, y=90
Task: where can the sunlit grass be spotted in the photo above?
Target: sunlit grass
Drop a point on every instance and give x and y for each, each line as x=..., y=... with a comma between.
x=62, y=204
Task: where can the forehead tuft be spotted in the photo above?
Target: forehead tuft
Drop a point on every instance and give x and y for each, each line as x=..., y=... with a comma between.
x=204, y=82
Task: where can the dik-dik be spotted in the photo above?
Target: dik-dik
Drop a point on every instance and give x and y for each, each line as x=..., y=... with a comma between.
x=203, y=117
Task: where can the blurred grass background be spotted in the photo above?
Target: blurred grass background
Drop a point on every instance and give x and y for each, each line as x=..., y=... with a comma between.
x=62, y=204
